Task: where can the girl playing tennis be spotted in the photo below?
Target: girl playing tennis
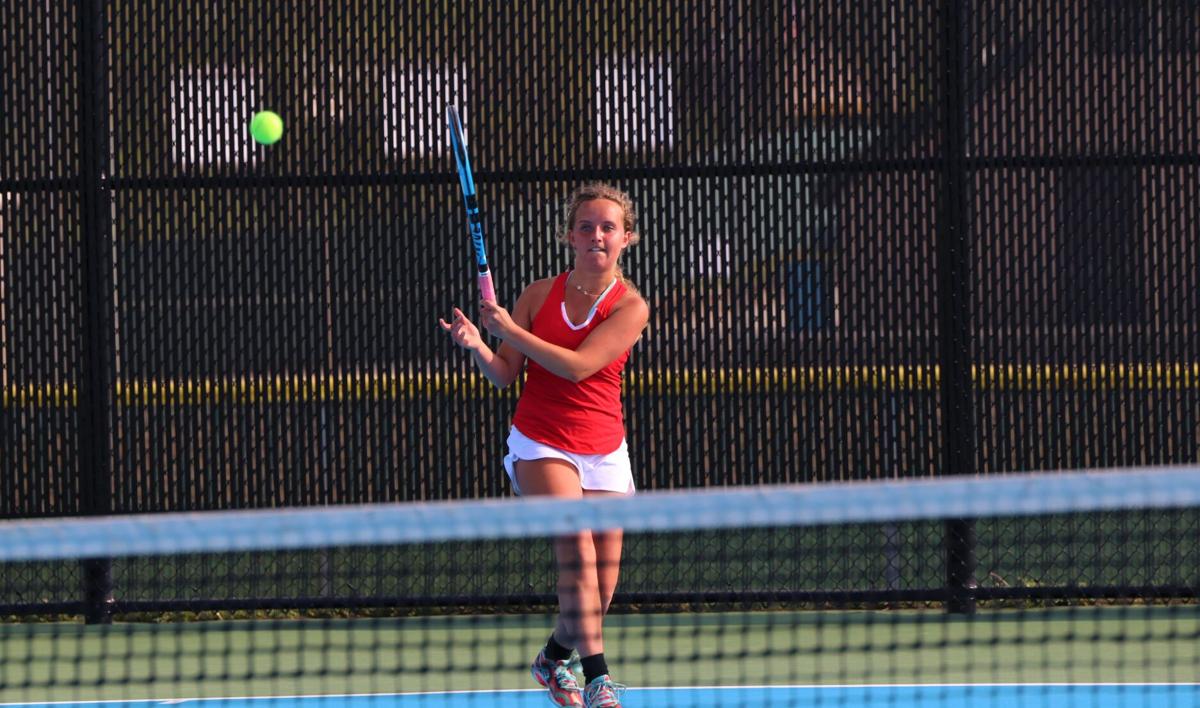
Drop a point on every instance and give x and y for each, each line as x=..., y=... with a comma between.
x=571, y=335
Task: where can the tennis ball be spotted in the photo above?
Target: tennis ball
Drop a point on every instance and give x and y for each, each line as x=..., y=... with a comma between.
x=266, y=127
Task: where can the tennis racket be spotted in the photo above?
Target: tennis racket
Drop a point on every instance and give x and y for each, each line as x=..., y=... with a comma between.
x=474, y=224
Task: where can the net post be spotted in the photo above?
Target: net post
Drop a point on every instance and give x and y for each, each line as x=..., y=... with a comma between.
x=960, y=566
x=97, y=590
x=96, y=389
x=954, y=312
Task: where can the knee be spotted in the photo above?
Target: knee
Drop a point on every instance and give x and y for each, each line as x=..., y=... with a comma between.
x=578, y=582
x=576, y=554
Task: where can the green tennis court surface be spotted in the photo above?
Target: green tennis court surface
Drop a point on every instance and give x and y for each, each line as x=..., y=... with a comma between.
x=1072, y=656
x=745, y=650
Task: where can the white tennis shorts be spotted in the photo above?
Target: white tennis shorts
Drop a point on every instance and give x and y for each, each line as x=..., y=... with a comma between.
x=610, y=473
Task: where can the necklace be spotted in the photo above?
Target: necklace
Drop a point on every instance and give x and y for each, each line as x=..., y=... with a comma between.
x=585, y=291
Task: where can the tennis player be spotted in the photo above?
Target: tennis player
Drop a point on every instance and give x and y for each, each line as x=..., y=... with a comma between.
x=571, y=335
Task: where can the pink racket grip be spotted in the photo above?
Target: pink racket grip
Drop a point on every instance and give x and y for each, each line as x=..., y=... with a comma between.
x=486, y=290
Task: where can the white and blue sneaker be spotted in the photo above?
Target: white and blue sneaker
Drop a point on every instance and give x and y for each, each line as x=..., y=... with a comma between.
x=602, y=692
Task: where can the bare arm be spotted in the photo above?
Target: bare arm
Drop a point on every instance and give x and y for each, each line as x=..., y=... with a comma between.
x=611, y=337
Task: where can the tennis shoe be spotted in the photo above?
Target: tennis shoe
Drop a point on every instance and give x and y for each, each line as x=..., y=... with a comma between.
x=602, y=692
x=557, y=677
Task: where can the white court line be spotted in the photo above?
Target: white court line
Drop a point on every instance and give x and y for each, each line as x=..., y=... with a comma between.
x=756, y=687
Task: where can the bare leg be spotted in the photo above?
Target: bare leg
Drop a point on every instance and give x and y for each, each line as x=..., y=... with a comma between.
x=580, y=608
x=608, y=556
x=606, y=549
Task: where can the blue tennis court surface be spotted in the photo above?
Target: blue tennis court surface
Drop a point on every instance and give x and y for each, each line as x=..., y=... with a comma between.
x=899, y=696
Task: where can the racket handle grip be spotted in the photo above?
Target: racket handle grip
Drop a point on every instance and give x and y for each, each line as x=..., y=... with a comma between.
x=486, y=290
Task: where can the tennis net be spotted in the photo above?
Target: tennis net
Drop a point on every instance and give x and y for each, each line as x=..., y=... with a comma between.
x=766, y=630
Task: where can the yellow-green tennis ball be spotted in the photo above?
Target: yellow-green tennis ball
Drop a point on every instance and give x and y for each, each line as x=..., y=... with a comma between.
x=266, y=127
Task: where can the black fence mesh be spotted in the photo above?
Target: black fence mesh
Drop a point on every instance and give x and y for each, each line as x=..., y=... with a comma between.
x=881, y=240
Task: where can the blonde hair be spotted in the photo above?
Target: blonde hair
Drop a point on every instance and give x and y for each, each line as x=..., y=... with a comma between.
x=591, y=192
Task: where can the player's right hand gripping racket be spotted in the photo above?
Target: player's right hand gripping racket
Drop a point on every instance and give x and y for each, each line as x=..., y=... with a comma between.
x=474, y=224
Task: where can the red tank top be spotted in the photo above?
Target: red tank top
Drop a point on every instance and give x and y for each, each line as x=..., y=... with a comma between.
x=584, y=417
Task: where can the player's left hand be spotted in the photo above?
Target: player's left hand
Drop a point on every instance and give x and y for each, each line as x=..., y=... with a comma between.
x=464, y=334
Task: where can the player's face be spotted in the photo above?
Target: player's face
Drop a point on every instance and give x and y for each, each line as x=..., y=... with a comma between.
x=598, y=234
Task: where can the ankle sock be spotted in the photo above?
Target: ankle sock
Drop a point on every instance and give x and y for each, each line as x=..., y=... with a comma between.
x=594, y=667
x=556, y=651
